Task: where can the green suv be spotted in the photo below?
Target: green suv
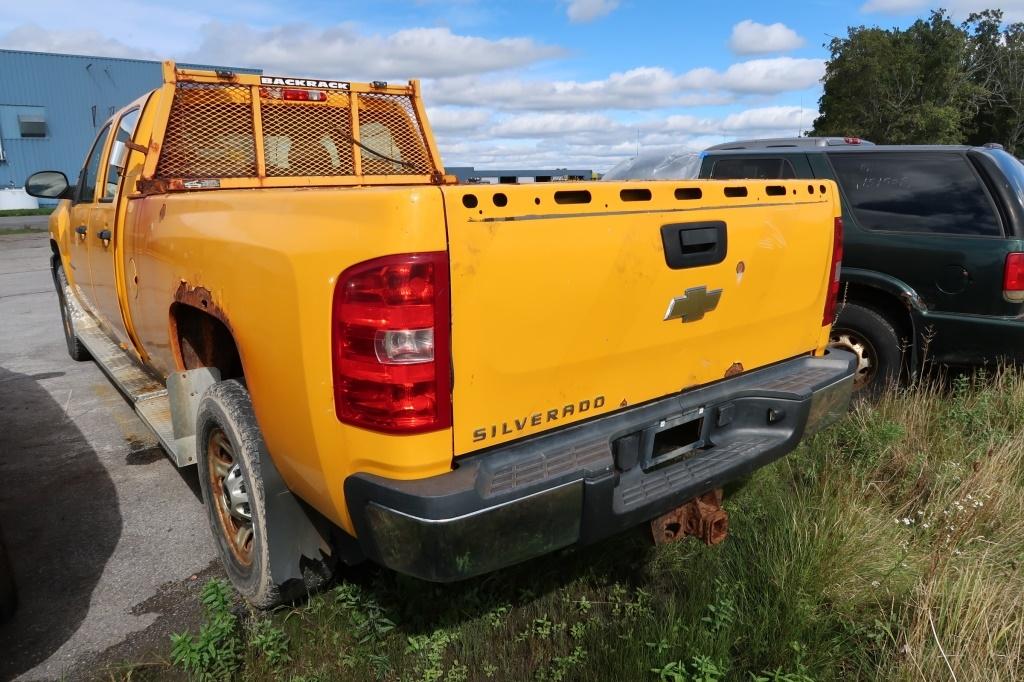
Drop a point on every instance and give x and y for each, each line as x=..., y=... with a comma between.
x=933, y=247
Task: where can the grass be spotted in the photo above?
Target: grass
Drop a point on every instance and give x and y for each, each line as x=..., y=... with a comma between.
x=17, y=212
x=890, y=547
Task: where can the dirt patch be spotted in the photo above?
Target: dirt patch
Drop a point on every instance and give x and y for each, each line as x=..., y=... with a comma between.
x=177, y=606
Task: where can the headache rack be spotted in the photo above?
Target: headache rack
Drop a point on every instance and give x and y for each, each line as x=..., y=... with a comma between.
x=216, y=129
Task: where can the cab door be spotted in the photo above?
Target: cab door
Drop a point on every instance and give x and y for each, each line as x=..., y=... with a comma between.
x=107, y=248
x=80, y=276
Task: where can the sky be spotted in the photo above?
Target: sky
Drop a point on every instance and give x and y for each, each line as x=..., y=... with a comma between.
x=514, y=84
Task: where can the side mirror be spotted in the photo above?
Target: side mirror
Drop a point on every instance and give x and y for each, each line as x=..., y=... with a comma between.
x=118, y=155
x=48, y=185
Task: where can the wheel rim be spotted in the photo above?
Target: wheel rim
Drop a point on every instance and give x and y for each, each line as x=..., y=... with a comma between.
x=230, y=494
x=867, y=358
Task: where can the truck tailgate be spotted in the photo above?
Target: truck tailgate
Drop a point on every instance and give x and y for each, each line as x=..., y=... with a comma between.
x=565, y=306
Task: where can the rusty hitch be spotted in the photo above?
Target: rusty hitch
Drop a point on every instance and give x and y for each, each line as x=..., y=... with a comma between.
x=702, y=517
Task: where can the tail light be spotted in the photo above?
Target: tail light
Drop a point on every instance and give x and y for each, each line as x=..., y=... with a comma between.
x=390, y=341
x=1013, y=278
x=829, y=316
x=293, y=94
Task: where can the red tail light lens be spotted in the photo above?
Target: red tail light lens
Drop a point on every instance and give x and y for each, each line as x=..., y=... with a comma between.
x=391, y=335
x=293, y=94
x=829, y=316
x=1013, y=278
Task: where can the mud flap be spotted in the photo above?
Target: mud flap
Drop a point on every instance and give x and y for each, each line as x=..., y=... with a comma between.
x=291, y=530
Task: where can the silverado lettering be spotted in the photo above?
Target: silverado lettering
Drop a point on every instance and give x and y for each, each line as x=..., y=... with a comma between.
x=326, y=384
x=538, y=418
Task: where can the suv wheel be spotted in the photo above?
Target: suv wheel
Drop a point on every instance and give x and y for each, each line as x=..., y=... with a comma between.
x=874, y=340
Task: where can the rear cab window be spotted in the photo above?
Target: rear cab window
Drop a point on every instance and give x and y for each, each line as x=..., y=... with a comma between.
x=746, y=168
x=918, y=192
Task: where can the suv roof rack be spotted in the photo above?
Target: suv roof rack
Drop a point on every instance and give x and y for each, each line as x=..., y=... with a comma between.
x=790, y=142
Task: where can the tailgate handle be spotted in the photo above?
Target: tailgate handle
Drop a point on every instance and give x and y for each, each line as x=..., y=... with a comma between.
x=689, y=245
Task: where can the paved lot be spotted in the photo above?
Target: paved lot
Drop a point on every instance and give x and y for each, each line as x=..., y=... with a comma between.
x=28, y=222
x=108, y=540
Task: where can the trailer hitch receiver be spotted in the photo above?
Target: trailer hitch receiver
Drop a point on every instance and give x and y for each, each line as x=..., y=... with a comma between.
x=702, y=517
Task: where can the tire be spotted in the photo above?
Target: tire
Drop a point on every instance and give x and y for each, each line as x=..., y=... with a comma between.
x=76, y=349
x=876, y=343
x=227, y=433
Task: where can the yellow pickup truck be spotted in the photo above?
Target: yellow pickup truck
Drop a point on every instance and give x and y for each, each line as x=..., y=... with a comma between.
x=368, y=360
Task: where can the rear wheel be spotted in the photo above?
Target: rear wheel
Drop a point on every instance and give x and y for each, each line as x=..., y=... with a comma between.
x=76, y=349
x=876, y=343
x=230, y=449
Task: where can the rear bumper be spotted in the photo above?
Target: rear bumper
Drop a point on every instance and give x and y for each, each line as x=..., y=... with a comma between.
x=591, y=480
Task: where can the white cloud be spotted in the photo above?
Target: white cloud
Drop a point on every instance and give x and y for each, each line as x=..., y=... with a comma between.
x=750, y=37
x=1013, y=10
x=642, y=88
x=893, y=6
x=344, y=49
x=553, y=139
x=581, y=11
x=647, y=87
x=85, y=42
x=551, y=125
x=762, y=76
x=770, y=120
x=457, y=119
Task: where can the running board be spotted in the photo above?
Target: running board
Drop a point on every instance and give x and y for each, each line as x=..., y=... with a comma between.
x=146, y=394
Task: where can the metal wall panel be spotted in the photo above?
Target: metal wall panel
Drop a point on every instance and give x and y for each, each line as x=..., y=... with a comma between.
x=77, y=93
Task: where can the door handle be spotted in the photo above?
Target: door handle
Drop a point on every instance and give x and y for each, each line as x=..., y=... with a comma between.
x=689, y=245
x=104, y=235
x=81, y=230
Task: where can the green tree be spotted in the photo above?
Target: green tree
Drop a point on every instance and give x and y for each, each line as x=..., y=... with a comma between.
x=995, y=54
x=912, y=86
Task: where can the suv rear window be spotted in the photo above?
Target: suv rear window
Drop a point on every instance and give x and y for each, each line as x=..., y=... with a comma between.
x=752, y=169
x=937, y=192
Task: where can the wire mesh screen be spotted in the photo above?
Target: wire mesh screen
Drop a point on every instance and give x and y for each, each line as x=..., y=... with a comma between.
x=392, y=142
x=308, y=138
x=209, y=133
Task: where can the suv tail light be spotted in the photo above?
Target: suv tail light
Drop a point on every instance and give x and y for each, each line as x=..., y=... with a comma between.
x=1013, y=278
x=390, y=341
x=828, y=317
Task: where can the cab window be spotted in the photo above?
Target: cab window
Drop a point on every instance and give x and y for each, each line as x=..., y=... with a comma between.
x=87, y=180
x=753, y=169
x=119, y=153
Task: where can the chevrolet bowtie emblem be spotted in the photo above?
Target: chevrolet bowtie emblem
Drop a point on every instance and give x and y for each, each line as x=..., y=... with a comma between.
x=692, y=305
